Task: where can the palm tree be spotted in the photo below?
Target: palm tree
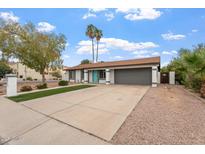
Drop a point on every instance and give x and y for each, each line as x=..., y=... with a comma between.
x=196, y=63
x=90, y=32
x=98, y=36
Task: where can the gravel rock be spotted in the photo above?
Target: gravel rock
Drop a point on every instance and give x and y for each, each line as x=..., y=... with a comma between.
x=166, y=115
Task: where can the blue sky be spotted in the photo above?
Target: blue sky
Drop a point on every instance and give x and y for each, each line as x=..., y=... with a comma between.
x=128, y=33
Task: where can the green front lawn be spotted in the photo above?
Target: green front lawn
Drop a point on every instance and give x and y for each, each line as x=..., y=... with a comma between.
x=39, y=94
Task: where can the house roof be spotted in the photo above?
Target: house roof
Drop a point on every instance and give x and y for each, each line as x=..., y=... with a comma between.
x=131, y=62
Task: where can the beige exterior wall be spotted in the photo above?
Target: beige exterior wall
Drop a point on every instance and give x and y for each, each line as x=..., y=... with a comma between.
x=23, y=72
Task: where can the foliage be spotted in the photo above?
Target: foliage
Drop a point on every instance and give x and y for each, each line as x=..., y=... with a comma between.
x=39, y=94
x=4, y=69
x=41, y=86
x=98, y=36
x=189, y=67
x=93, y=32
x=29, y=78
x=63, y=83
x=38, y=51
x=26, y=88
x=85, y=61
x=90, y=32
x=202, y=90
x=56, y=74
x=7, y=40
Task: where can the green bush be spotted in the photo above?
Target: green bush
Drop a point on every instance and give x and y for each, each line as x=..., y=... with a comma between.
x=63, y=83
x=4, y=69
x=42, y=86
x=196, y=84
x=26, y=88
x=29, y=78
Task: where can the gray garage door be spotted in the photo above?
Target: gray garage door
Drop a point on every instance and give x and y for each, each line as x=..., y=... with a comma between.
x=141, y=76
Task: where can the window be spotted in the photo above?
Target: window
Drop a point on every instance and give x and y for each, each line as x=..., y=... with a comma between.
x=72, y=74
x=102, y=74
x=82, y=74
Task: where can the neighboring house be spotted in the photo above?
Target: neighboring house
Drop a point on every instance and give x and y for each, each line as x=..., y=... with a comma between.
x=24, y=72
x=135, y=71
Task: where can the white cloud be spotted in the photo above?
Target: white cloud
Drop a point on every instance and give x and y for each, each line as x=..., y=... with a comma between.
x=155, y=53
x=92, y=12
x=9, y=17
x=88, y=15
x=109, y=44
x=66, y=56
x=140, y=14
x=118, y=57
x=194, y=30
x=84, y=47
x=126, y=45
x=165, y=64
x=109, y=16
x=170, y=36
x=142, y=56
x=45, y=27
x=141, y=52
x=166, y=53
x=67, y=44
x=97, y=9
x=145, y=53
x=172, y=52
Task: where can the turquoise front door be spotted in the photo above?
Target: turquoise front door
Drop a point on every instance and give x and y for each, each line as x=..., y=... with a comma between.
x=95, y=76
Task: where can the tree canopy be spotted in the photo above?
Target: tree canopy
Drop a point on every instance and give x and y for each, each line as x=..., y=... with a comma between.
x=4, y=69
x=85, y=61
x=189, y=67
x=36, y=50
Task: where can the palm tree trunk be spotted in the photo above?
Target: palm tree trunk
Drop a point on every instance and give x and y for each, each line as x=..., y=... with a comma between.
x=93, y=51
x=97, y=52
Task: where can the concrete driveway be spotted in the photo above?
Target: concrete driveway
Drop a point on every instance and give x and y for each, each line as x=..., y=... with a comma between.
x=70, y=118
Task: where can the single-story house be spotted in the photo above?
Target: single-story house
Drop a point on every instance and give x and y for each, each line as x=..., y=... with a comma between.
x=135, y=71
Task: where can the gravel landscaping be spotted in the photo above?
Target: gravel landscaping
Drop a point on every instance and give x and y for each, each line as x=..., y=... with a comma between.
x=166, y=115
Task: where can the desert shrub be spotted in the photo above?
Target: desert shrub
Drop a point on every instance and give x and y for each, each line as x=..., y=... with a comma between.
x=29, y=78
x=63, y=83
x=35, y=79
x=56, y=74
x=202, y=90
x=42, y=86
x=196, y=84
x=26, y=88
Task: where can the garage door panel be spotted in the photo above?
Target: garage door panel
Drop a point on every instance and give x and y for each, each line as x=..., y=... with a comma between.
x=140, y=76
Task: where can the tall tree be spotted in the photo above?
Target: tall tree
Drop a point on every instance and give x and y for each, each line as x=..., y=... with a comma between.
x=7, y=39
x=85, y=61
x=38, y=51
x=90, y=32
x=98, y=36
